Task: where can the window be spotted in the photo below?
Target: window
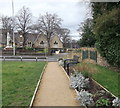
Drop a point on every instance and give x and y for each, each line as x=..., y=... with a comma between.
x=29, y=44
x=55, y=42
x=42, y=42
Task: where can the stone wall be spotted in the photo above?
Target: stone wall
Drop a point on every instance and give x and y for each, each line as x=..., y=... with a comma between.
x=100, y=60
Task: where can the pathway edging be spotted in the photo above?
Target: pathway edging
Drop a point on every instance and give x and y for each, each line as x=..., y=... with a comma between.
x=68, y=77
x=38, y=84
x=69, y=80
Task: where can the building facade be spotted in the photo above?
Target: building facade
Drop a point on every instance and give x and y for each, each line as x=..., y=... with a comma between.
x=33, y=41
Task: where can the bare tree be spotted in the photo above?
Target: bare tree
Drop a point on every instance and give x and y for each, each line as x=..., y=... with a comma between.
x=24, y=22
x=65, y=36
x=48, y=25
x=6, y=24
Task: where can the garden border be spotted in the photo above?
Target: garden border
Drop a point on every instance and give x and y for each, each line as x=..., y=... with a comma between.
x=93, y=80
x=104, y=88
x=37, y=86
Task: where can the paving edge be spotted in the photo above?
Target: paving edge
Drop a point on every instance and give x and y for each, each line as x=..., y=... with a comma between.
x=38, y=84
x=69, y=80
x=104, y=88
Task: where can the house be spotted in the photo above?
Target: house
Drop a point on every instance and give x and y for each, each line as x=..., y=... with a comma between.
x=33, y=41
x=56, y=42
x=41, y=42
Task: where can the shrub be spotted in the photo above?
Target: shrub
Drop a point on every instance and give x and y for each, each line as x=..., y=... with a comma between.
x=116, y=102
x=103, y=102
x=108, y=36
x=77, y=80
x=61, y=62
x=85, y=98
x=29, y=48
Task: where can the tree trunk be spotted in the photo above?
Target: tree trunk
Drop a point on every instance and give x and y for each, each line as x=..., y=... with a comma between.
x=24, y=36
x=49, y=51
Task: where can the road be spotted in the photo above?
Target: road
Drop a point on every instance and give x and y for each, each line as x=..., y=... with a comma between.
x=52, y=58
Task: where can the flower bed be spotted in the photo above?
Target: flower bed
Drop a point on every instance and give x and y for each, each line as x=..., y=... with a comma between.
x=90, y=93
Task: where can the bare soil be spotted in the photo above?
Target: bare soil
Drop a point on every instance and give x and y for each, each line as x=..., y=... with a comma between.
x=54, y=88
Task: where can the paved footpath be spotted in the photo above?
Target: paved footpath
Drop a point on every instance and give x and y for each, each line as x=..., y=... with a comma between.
x=54, y=88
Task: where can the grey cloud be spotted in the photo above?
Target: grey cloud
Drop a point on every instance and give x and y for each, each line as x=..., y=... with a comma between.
x=73, y=12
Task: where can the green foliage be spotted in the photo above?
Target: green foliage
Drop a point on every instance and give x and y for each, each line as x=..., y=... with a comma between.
x=29, y=48
x=103, y=102
x=87, y=35
x=46, y=50
x=106, y=77
x=108, y=36
x=99, y=8
x=86, y=74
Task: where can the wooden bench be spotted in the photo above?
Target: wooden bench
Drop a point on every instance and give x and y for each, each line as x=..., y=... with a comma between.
x=70, y=62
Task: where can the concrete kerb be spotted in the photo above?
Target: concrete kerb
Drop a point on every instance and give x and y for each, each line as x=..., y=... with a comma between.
x=36, y=89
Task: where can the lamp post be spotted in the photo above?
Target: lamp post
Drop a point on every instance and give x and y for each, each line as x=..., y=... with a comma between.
x=13, y=29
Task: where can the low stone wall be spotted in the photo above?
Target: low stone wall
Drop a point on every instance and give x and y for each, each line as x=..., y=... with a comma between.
x=99, y=60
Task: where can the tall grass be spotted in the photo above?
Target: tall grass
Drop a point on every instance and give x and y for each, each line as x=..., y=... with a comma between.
x=103, y=75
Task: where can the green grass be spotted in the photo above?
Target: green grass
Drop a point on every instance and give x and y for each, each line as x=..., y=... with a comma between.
x=106, y=77
x=19, y=80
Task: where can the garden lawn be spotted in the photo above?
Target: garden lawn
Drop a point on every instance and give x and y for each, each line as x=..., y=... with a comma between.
x=19, y=80
x=106, y=77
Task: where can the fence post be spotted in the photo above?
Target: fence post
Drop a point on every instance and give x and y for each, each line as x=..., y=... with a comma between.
x=21, y=58
x=36, y=59
x=4, y=58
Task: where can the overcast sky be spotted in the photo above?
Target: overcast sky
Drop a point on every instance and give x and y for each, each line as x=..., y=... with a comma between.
x=73, y=12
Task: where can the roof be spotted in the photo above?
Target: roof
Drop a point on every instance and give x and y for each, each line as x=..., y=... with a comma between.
x=31, y=37
x=57, y=37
